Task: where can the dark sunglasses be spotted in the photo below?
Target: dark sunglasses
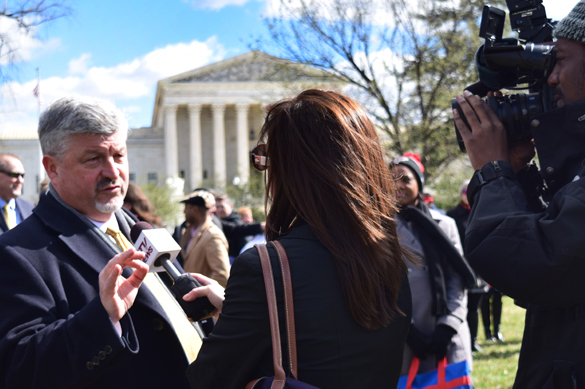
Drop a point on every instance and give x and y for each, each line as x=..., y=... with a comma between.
x=13, y=174
x=258, y=157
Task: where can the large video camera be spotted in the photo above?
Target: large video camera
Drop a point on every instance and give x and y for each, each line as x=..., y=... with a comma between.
x=510, y=63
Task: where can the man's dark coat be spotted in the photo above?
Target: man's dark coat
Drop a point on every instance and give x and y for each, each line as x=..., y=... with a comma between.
x=54, y=331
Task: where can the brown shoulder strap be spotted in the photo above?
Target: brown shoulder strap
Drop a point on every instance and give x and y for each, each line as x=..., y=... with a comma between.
x=289, y=307
x=279, y=374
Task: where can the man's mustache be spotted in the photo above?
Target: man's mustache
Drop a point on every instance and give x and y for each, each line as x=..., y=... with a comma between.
x=104, y=183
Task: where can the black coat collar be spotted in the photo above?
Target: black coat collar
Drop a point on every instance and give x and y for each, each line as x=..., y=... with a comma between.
x=559, y=136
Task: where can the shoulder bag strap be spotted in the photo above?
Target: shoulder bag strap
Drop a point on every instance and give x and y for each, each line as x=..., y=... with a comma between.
x=289, y=307
x=279, y=374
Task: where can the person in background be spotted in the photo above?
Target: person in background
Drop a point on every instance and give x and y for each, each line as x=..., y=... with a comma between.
x=331, y=206
x=476, y=294
x=438, y=279
x=430, y=202
x=14, y=209
x=231, y=229
x=491, y=313
x=203, y=245
x=246, y=215
x=44, y=186
x=224, y=209
x=136, y=202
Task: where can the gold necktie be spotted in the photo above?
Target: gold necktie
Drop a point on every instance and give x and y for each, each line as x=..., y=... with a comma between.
x=9, y=216
x=188, y=336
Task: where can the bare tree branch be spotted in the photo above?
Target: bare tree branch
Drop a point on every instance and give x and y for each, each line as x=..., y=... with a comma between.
x=26, y=15
x=404, y=63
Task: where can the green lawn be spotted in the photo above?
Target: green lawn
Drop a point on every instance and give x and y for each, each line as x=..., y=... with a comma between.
x=495, y=367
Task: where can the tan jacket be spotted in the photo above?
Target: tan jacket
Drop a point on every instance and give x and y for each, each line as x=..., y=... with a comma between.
x=208, y=253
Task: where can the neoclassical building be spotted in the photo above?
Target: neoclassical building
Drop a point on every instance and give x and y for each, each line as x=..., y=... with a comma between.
x=204, y=123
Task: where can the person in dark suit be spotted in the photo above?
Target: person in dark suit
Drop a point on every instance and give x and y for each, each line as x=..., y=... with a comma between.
x=332, y=209
x=74, y=314
x=14, y=209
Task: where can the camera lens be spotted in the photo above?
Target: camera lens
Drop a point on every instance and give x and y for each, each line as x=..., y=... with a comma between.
x=515, y=111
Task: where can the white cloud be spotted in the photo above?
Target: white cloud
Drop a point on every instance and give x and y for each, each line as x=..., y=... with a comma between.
x=123, y=83
x=214, y=4
x=80, y=65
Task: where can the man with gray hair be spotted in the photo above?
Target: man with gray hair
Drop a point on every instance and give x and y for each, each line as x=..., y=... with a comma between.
x=14, y=208
x=74, y=311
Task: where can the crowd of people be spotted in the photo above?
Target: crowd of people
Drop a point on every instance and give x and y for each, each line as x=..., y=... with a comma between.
x=381, y=279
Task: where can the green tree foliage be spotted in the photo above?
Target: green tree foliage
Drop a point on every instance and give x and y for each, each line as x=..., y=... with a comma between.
x=250, y=194
x=402, y=59
x=446, y=186
x=161, y=197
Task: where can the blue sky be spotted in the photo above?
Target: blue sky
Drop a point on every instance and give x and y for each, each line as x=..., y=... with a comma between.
x=119, y=49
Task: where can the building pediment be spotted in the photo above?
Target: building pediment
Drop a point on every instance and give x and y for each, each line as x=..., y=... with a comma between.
x=253, y=66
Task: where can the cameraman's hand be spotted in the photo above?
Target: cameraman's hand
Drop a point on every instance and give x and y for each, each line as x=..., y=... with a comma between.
x=486, y=141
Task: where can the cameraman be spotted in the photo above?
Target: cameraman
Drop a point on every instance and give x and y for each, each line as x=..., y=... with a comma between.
x=536, y=256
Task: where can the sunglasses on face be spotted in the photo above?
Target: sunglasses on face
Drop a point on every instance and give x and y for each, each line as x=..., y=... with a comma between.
x=13, y=174
x=258, y=157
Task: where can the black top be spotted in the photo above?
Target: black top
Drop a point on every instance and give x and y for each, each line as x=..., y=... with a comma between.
x=539, y=257
x=333, y=350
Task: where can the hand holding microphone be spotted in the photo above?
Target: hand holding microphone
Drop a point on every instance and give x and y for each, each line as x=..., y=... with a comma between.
x=210, y=289
x=160, y=250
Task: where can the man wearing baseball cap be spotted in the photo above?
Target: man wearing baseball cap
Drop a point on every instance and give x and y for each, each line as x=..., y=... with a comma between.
x=203, y=245
x=536, y=254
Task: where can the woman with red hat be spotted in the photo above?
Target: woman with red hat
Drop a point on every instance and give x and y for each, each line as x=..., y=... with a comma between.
x=439, y=279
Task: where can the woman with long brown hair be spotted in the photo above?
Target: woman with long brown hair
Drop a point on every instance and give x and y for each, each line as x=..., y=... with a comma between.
x=136, y=202
x=330, y=201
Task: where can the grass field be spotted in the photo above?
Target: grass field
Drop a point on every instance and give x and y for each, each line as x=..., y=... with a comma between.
x=495, y=367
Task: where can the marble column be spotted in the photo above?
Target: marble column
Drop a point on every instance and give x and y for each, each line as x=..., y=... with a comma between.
x=195, y=151
x=171, y=147
x=242, y=147
x=219, y=161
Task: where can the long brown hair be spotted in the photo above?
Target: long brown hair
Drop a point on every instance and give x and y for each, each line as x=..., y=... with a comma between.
x=141, y=206
x=327, y=168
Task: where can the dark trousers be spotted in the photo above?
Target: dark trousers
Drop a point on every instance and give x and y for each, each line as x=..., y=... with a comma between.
x=473, y=302
x=491, y=306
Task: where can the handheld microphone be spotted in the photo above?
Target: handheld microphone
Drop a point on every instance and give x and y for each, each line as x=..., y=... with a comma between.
x=160, y=250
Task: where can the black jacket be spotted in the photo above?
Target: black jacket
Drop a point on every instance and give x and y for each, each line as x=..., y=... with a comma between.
x=539, y=257
x=333, y=350
x=54, y=331
x=236, y=240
